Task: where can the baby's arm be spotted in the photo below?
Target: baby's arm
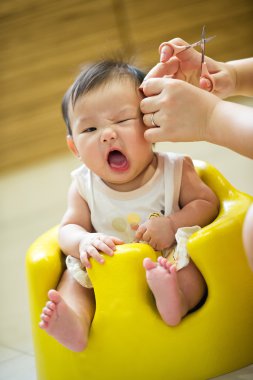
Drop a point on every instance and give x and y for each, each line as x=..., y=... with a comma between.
x=76, y=233
x=198, y=203
x=198, y=206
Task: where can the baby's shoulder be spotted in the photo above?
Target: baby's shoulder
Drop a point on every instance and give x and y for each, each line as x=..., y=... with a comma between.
x=81, y=172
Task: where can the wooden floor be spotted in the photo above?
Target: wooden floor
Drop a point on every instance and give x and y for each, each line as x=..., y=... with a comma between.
x=44, y=42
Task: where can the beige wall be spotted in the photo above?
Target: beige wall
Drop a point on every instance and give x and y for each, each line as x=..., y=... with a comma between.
x=43, y=42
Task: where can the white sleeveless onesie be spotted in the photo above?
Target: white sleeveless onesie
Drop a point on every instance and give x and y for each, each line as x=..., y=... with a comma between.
x=120, y=213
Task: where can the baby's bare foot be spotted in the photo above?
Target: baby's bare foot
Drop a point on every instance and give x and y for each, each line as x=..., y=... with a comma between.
x=61, y=322
x=162, y=280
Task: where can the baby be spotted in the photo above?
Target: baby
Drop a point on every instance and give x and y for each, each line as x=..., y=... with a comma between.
x=147, y=196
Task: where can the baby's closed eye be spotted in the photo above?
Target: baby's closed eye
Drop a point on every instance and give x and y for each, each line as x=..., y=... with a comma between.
x=89, y=129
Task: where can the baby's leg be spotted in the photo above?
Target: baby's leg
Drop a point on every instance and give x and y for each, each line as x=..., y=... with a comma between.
x=175, y=293
x=68, y=313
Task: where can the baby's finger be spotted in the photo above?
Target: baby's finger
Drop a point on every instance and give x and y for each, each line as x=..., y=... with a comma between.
x=112, y=241
x=85, y=259
x=105, y=245
x=146, y=237
x=139, y=233
x=92, y=251
x=154, y=244
x=116, y=240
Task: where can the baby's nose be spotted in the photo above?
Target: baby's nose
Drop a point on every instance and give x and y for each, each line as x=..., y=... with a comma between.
x=108, y=134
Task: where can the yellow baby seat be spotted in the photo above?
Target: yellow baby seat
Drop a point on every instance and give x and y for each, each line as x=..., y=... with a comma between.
x=128, y=340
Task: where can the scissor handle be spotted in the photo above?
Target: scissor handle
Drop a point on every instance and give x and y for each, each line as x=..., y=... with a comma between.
x=205, y=74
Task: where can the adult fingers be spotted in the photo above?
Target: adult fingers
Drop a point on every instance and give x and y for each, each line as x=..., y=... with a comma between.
x=166, y=51
x=223, y=84
x=154, y=86
x=206, y=84
x=150, y=104
x=151, y=120
x=154, y=135
x=162, y=69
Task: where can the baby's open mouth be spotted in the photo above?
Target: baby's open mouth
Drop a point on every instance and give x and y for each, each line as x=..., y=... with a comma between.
x=117, y=160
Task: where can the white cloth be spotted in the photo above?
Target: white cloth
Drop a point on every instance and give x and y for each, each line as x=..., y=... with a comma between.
x=78, y=271
x=120, y=213
x=178, y=255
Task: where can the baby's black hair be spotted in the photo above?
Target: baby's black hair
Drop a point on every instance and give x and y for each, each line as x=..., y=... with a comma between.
x=93, y=76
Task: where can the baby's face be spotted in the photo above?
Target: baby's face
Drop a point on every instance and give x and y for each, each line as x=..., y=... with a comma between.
x=108, y=132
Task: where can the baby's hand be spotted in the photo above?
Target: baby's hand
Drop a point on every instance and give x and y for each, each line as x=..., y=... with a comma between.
x=92, y=243
x=158, y=232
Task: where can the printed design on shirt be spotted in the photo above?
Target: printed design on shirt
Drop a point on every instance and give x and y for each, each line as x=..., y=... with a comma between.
x=123, y=224
x=133, y=220
x=119, y=224
x=154, y=215
x=130, y=223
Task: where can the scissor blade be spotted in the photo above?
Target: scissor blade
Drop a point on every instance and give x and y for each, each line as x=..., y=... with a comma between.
x=198, y=43
x=209, y=39
x=203, y=43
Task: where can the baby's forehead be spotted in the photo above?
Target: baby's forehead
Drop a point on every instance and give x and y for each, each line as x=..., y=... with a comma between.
x=119, y=80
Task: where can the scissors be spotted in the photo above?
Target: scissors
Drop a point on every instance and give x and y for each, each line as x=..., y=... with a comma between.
x=177, y=49
x=180, y=48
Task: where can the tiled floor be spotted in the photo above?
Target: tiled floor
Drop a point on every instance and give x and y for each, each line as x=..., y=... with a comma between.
x=33, y=200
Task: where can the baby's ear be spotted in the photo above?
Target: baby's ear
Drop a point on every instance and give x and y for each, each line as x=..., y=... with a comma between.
x=71, y=145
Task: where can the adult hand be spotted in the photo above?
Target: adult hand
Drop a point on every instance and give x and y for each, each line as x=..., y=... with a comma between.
x=186, y=66
x=181, y=111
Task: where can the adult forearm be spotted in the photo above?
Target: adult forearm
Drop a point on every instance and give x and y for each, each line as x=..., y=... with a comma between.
x=244, y=76
x=231, y=126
